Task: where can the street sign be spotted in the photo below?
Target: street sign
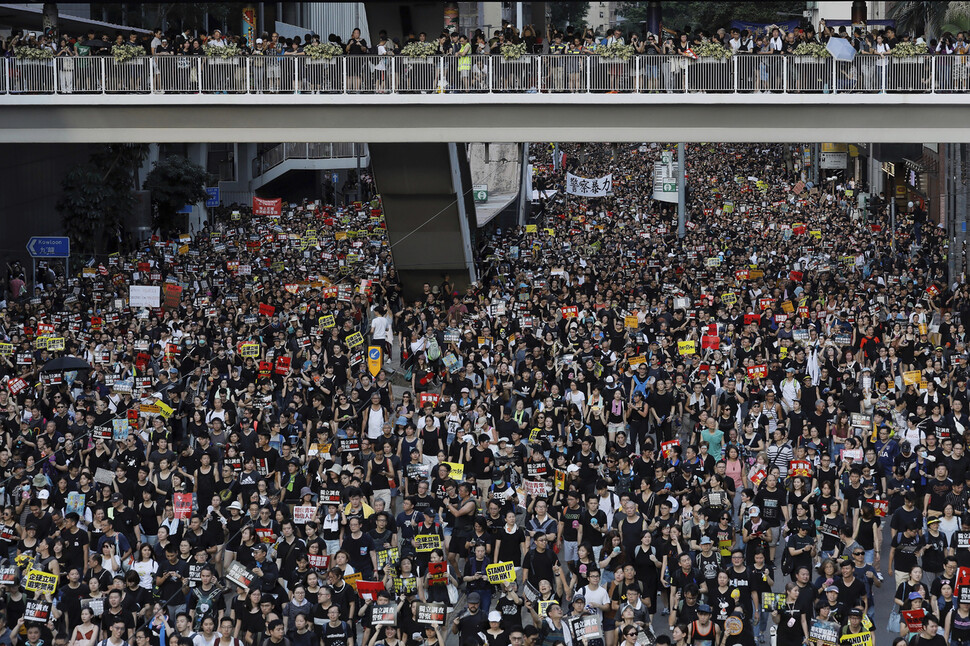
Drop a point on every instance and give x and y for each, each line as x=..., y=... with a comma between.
x=335, y=178
x=185, y=210
x=213, y=199
x=49, y=247
x=480, y=192
x=669, y=187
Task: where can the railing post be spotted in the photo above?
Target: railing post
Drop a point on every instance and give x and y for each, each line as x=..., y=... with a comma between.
x=441, y=75
x=249, y=75
x=55, y=65
x=636, y=74
x=151, y=75
x=784, y=75
x=932, y=74
x=737, y=65
x=104, y=75
x=539, y=73
x=687, y=76
x=198, y=72
x=835, y=63
x=393, y=74
x=490, y=59
x=589, y=72
x=296, y=77
x=343, y=68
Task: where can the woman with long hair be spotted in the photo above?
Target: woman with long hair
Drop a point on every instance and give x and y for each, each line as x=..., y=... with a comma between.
x=87, y=633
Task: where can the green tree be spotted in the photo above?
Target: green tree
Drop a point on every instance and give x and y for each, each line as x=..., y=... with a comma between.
x=174, y=182
x=568, y=14
x=97, y=196
x=957, y=18
x=710, y=16
x=922, y=18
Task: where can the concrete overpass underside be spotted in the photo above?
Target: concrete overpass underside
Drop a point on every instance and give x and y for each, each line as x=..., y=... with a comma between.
x=475, y=118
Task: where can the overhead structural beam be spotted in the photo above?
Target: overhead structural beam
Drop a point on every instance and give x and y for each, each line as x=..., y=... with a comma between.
x=64, y=122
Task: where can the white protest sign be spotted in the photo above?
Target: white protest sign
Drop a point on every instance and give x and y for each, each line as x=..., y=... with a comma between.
x=589, y=187
x=145, y=296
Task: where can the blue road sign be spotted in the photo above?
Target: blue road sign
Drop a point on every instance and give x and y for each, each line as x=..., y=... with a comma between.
x=49, y=247
x=187, y=210
x=335, y=178
x=374, y=353
x=213, y=199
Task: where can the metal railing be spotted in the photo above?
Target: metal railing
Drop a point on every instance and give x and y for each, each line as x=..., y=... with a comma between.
x=173, y=74
x=281, y=152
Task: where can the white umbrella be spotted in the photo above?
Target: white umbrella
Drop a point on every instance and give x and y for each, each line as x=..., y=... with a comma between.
x=841, y=49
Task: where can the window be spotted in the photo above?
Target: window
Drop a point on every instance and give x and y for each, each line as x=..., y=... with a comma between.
x=601, y=14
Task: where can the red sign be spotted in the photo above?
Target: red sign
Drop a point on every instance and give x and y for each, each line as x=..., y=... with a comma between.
x=16, y=385
x=712, y=342
x=428, y=398
x=881, y=507
x=282, y=365
x=183, y=506
x=759, y=371
x=666, y=448
x=795, y=276
x=765, y=303
x=914, y=619
x=266, y=310
x=570, y=312
x=173, y=295
x=752, y=318
x=267, y=207
x=264, y=368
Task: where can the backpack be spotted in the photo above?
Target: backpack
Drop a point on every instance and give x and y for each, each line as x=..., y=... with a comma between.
x=433, y=351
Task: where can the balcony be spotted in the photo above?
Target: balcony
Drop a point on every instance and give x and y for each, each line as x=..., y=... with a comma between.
x=484, y=75
x=282, y=158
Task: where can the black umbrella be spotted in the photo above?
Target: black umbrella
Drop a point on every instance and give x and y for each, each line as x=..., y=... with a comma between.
x=95, y=42
x=66, y=364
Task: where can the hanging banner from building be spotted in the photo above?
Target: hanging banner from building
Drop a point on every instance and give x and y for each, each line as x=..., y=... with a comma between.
x=267, y=207
x=589, y=187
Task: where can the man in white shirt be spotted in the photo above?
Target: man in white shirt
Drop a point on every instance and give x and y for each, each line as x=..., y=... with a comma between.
x=595, y=595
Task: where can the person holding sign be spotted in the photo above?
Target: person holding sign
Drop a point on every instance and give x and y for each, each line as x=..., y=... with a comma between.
x=792, y=621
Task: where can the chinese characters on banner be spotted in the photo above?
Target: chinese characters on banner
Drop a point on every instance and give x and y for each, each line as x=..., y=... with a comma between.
x=267, y=207
x=588, y=187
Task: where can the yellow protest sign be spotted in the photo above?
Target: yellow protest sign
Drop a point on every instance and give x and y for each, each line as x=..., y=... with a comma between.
x=41, y=342
x=729, y=298
x=631, y=322
x=457, y=472
x=787, y=307
x=326, y=321
x=686, y=347
x=164, y=409
x=352, y=579
x=340, y=235
x=912, y=377
x=42, y=582
x=857, y=639
x=550, y=231
x=354, y=340
x=503, y=572
x=636, y=361
x=426, y=542
x=560, y=480
x=6, y=349
x=815, y=234
x=531, y=228
x=249, y=350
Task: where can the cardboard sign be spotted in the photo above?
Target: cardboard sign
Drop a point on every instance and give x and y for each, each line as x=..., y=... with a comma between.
x=383, y=615
x=388, y=557
x=183, y=506
x=666, y=448
x=368, y=590
x=355, y=340
x=710, y=342
x=912, y=377
x=457, y=472
x=326, y=321
x=585, y=628
x=104, y=476
x=302, y=514
x=824, y=633
x=428, y=398
x=282, y=365
x=570, y=312
x=503, y=572
x=240, y=575
x=800, y=468
x=38, y=612
x=686, y=347
x=353, y=579
x=758, y=372
x=426, y=542
x=431, y=613
x=750, y=319
x=42, y=582
x=10, y=574
x=249, y=350
x=266, y=310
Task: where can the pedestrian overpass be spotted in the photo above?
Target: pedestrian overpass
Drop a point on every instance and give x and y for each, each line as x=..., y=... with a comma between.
x=412, y=111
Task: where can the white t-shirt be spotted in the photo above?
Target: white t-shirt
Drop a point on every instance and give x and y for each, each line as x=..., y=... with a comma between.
x=380, y=328
x=599, y=595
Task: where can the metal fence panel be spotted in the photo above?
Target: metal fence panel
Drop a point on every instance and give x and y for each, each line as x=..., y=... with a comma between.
x=520, y=75
x=910, y=74
x=32, y=77
x=710, y=75
x=176, y=74
x=757, y=73
x=130, y=76
x=611, y=74
x=225, y=75
x=807, y=74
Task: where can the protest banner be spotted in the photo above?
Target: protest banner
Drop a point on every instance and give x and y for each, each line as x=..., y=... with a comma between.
x=962, y=540
x=431, y=613
x=354, y=340
x=303, y=514
x=857, y=639
x=9, y=575
x=536, y=487
x=685, y=348
x=42, y=582
x=426, y=542
x=710, y=342
x=912, y=377
x=457, y=472
x=560, y=480
x=388, y=557
x=104, y=476
x=800, y=468
x=585, y=628
x=405, y=585
x=914, y=619
x=438, y=573
x=631, y=322
x=353, y=579
x=569, y=312
x=543, y=607
x=183, y=505
x=37, y=612
x=758, y=372
x=824, y=633
x=272, y=208
x=589, y=187
x=320, y=562
x=144, y=296
x=503, y=572
x=75, y=503
x=249, y=350
x=368, y=590
x=240, y=575
x=666, y=448
x=383, y=615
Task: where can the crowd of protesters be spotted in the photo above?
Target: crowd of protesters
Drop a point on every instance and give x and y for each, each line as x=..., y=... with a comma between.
x=615, y=436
